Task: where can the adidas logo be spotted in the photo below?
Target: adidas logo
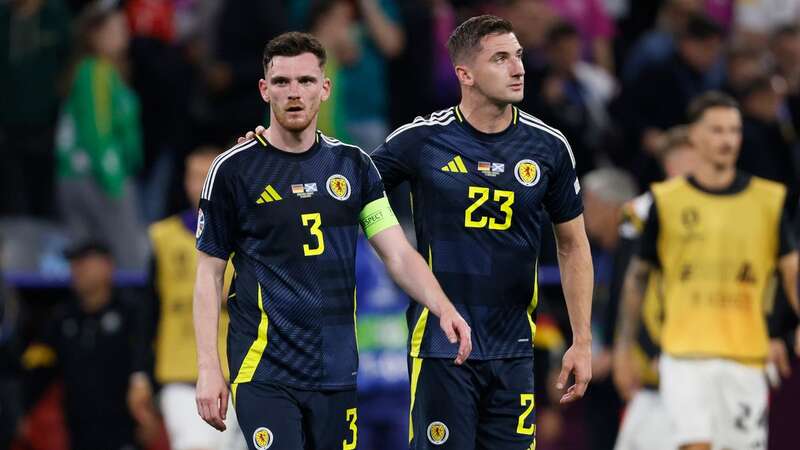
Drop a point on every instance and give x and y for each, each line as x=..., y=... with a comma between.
x=455, y=165
x=269, y=195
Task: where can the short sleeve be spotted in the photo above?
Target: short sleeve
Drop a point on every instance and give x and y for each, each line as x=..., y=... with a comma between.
x=376, y=213
x=648, y=243
x=394, y=161
x=563, y=198
x=216, y=220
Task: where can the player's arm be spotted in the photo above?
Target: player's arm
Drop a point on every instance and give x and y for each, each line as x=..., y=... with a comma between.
x=577, y=279
x=212, y=391
x=409, y=271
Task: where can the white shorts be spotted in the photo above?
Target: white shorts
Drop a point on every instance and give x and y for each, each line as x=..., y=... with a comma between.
x=185, y=428
x=715, y=400
x=646, y=425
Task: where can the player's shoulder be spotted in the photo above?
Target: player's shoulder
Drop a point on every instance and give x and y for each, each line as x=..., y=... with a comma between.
x=767, y=186
x=542, y=132
x=422, y=127
x=343, y=149
x=668, y=187
x=226, y=162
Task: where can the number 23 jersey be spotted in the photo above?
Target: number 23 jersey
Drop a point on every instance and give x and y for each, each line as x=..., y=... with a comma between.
x=291, y=221
x=478, y=203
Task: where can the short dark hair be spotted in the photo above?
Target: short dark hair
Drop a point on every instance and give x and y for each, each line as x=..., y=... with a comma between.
x=466, y=38
x=701, y=28
x=293, y=43
x=711, y=99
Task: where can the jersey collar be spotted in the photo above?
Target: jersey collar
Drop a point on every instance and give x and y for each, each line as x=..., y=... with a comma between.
x=291, y=155
x=487, y=136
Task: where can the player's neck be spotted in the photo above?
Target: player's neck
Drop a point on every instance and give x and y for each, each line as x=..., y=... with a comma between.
x=714, y=177
x=485, y=116
x=291, y=141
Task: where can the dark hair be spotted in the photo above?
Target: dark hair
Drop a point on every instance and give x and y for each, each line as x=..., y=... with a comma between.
x=700, y=28
x=293, y=43
x=466, y=38
x=561, y=30
x=757, y=85
x=208, y=150
x=711, y=99
x=319, y=10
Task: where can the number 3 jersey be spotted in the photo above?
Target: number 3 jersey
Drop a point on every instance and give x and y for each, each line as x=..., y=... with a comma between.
x=478, y=202
x=291, y=222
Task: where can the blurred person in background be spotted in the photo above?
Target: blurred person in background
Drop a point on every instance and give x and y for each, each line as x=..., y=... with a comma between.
x=645, y=424
x=769, y=139
x=172, y=276
x=380, y=37
x=98, y=345
x=714, y=338
x=333, y=23
x=605, y=191
x=98, y=141
x=34, y=46
x=595, y=26
x=743, y=64
x=785, y=51
x=570, y=94
x=658, y=97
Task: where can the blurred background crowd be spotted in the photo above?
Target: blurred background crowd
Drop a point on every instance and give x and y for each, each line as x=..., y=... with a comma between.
x=104, y=105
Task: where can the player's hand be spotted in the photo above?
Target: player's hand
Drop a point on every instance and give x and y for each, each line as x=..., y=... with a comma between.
x=779, y=355
x=212, y=398
x=457, y=330
x=578, y=361
x=251, y=134
x=625, y=372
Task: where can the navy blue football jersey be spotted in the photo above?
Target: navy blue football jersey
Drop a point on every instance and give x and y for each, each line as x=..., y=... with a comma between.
x=479, y=203
x=291, y=222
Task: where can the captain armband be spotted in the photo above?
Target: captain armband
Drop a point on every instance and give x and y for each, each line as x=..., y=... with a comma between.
x=376, y=217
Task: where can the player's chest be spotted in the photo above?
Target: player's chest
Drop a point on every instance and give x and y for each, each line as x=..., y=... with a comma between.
x=461, y=175
x=291, y=193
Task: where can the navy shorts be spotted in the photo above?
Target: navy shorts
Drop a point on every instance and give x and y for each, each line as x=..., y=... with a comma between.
x=486, y=405
x=278, y=417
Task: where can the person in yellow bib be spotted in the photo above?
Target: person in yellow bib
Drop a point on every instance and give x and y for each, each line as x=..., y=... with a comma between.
x=717, y=238
x=172, y=278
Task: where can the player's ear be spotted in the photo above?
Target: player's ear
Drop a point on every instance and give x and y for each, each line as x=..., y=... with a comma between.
x=327, y=85
x=464, y=75
x=262, y=89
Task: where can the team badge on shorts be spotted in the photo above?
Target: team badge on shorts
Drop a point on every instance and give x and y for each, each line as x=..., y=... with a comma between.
x=527, y=172
x=262, y=438
x=438, y=433
x=338, y=187
x=201, y=224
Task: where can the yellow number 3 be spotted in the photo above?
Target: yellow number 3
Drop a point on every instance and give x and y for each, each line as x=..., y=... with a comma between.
x=352, y=417
x=316, y=222
x=526, y=399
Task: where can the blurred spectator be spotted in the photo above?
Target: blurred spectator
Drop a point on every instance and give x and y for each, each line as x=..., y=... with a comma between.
x=785, y=49
x=380, y=38
x=743, y=64
x=605, y=191
x=532, y=19
x=332, y=22
x=97, y=344
x=34, y=45
x=755, y=20
x=570, y=94
x=658, y=44
x=769, y=141
x=242, y=29
x=595, y=26
x=657, y=99
x=99, y=141
x=172, y=283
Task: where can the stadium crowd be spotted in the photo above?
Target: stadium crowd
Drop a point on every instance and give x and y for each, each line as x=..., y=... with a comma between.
x=111, y=112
